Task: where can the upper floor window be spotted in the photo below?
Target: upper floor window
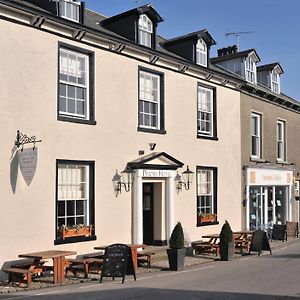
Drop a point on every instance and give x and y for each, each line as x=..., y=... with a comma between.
x=281, y=140
x=206, y=120
x=145, y=31
x=75, y=84
x=250, y=69
x=201, y=53
x=150, y=100
x=275, y=85
x=255, y=135
x=69, y=9
x=206, y=192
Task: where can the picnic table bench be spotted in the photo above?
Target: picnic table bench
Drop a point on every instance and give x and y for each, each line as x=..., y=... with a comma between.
x=210, y=246
x=87, y=263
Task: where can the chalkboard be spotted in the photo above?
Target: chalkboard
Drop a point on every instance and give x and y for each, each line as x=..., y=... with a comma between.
x=260, y=242
x=279, y=232
x=117, y=262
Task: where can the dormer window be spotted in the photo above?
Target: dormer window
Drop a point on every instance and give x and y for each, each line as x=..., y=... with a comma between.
x=275, y=85
x=201, y=53
x=145, y=31
x=69, y=9
x=250, y=69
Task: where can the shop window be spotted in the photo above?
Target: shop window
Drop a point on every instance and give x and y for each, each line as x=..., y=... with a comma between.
x=75, y=200
x=281, y=155
x=76, y=87
x=151, y=101
x=206, y=196
x=69, y=9
x=206, y=112
x=256, y=135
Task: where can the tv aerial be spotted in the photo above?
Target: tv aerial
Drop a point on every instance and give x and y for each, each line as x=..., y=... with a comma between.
x=237, y=35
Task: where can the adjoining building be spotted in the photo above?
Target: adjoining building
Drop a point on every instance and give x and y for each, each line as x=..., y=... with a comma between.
x=97, y=95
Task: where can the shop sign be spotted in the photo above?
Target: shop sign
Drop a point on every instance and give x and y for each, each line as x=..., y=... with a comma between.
x=156, y=173
x=28, y=163
x=268, y=177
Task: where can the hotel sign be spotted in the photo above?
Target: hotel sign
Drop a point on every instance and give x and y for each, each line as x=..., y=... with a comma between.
x=255, y=176
x=157, y=173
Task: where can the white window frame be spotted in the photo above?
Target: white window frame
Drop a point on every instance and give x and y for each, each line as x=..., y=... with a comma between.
x=147, y=93
x=281, y=140
x=256, y=132
x=206, y=188
x=69, y=187
x=250, y=69
x=145, y=31
x=72, y=6
x=201, y=53
x=205, y=111
x=70, y=68
x=275, y=82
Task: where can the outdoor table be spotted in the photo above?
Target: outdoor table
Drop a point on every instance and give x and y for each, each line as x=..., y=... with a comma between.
x=242, y=239
x=59, y=262
x=133, y=248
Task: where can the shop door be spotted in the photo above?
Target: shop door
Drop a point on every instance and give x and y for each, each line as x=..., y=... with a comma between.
x=256, y=207
x=148, y=232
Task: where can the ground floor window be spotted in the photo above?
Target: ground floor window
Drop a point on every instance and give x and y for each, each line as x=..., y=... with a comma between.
x=268, y=205
x=206, y=195
x=75, y=200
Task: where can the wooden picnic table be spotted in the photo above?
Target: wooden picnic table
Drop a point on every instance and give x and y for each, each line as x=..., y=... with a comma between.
x=59, y=262
x=134, y=252
x=242, y=239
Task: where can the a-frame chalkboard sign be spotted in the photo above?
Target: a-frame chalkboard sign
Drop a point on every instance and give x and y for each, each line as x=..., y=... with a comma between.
x=117, y=262
x=260, y=242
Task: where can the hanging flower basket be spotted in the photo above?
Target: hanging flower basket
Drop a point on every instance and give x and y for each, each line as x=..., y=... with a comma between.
x=207, y=218
x=77, y=230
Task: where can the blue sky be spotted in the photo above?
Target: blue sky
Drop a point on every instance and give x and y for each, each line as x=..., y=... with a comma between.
x=275, y=25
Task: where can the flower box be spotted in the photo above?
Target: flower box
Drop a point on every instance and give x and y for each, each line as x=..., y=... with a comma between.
x=207, y=218
x=66, y=232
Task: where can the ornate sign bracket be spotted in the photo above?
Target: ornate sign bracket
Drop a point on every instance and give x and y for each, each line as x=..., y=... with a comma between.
x=23, y=139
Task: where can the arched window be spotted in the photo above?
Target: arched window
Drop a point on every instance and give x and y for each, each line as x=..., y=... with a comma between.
x=275, y=84
x=69, y=9
x=250, y=70
x=145, y=31
x=201, y=53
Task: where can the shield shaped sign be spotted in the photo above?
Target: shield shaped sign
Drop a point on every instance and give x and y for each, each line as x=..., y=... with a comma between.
x=28, y=163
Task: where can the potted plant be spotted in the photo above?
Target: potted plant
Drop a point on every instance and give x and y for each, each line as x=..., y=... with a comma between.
x=226, y=244
x=207, y=218
x=177, y=251
x=74, y=230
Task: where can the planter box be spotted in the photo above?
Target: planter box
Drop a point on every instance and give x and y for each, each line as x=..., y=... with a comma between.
x=176, y=259
x=207, y=219
x=73, y=232
x=226, y=251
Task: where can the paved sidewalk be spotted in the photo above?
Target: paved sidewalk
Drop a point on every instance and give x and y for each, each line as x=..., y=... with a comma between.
x=160, y=262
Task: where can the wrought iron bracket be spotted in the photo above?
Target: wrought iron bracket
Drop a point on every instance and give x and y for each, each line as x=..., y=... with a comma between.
x=23, y=139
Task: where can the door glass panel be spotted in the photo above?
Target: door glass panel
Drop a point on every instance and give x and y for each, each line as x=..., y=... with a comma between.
x=255, y=208
x=280, y=196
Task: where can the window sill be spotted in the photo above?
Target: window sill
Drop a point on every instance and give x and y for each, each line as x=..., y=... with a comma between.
x=74, y=120
x=72, y=240
x=283, y=162
x=213, y=138
x=259, y=160
x=207, y=223
x=148, y=130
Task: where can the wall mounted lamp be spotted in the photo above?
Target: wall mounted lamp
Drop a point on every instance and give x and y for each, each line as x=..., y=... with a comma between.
x=187, y=177
x=125, y=180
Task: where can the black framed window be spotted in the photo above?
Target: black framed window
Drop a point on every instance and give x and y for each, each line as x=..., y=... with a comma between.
x=206, y=112
x=70, y=9
x=151, y=101
x=74, y=201
x=75, y=85
x=207, y=178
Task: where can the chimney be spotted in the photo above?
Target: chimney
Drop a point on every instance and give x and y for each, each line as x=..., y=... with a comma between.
x=227, y=50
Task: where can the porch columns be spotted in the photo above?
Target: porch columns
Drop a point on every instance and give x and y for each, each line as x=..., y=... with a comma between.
x=137, y=226
x=170, y=205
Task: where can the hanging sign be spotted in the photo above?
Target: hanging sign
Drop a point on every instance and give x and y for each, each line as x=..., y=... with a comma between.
x=28, y=162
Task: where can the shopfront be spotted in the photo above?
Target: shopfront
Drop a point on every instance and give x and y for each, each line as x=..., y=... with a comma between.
x=268, y=197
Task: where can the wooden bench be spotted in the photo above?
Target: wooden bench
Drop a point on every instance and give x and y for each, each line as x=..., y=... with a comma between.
x=145, y=256
x=210, y=247
x=87, y=264
x=13, y=273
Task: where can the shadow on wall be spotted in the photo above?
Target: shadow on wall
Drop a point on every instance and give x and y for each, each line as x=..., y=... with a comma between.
x=14, y=163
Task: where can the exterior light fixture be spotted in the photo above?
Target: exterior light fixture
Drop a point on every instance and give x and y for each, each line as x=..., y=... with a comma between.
x=187, y=176
x=125, y=180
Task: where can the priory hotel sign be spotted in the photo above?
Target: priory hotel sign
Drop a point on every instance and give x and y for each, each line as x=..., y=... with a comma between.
x=157, y=173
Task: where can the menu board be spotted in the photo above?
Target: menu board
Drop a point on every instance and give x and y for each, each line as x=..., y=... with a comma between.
x=279, y=232
x=117, y=262
x=260, y=242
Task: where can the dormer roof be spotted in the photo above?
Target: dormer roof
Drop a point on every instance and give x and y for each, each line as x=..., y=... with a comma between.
x=201, y=34
x=145, y=9
x=234, y=55
x=270, y=67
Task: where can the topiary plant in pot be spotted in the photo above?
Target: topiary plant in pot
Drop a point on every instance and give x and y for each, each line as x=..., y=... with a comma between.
x=226, y=244
x=177, y=251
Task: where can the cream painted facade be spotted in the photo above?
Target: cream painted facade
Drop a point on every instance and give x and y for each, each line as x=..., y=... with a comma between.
x=28, y=85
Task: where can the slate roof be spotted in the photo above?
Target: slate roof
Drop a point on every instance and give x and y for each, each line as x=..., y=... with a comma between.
x=269, y=67
x=240, y=54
